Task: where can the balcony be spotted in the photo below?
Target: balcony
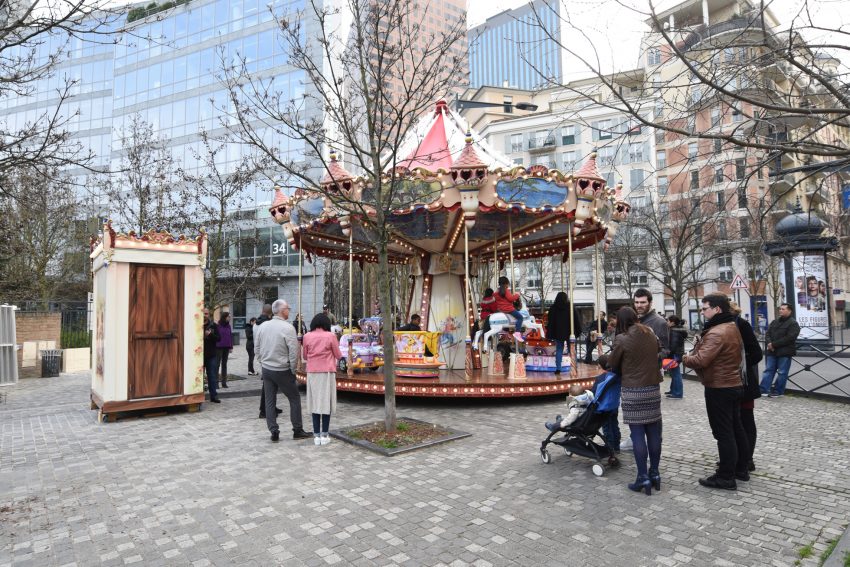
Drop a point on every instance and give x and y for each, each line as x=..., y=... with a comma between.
x=539, y=145
x=703, y=32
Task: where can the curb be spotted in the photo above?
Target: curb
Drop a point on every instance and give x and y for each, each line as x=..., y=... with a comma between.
x=836, y=558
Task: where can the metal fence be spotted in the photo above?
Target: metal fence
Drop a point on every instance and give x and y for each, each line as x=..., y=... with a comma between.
x=817, y=371
x=76, y=320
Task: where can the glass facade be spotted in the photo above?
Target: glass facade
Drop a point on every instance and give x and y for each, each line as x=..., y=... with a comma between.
x=515, y=47
x=167, y=69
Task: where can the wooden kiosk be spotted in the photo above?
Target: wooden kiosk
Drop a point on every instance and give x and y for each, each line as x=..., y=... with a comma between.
x=148, y=321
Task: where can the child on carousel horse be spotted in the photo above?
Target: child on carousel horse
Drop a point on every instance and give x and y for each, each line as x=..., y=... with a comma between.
x=505, y=301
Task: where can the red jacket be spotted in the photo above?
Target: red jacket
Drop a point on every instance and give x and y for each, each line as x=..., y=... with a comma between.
x=488, y=306
x=505, y=304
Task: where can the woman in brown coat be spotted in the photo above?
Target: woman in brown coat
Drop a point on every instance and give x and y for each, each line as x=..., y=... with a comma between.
x=635, y=359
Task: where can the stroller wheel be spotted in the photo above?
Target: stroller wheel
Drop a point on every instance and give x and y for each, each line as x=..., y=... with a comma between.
x=613, y=462
x=547, y=458
x=598, y=469
x=567, y=452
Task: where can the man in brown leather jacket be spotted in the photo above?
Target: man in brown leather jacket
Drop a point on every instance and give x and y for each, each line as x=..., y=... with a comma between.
x=716, y=358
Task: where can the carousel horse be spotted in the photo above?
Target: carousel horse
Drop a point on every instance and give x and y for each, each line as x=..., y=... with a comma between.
x=498, y=322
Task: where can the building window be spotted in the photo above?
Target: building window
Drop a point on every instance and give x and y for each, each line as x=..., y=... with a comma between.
x=637, y=202
x=715, y=116
x=655, y=81
x=740, y=169
x=722, y=234
x=508, y=102
x=718, y=175
x=695, y=180
x=533, y=278
x=568, y=135
x=603, y=130
x=744, y=227
x=635, y=152
x=663, y=185
x=737, y=115
x=693, y=149
x=724, y=266
x=636, y=177
x=718, y=145
x=695, y=205
x=721, y=201
x=661, y=158
x=653, y=56
x=516, y=143
x=538, y=140
x=569, y=160
x=606, y=155
x=659, y=136
x=742, y=197
x=584, y=272
x=692, y=123
x=517, y=161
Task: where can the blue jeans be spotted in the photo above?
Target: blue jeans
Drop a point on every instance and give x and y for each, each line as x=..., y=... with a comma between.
x=211, y=365
x=772, y=364
x=321, y=423
x=676, y=387
x=559, y=354
x=611, y=431
x=646, y=438
x=518, y=316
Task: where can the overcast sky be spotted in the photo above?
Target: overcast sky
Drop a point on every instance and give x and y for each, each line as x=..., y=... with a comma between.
x=615, y=26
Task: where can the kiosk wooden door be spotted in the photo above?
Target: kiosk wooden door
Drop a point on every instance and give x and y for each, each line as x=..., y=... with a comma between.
x=156, y=331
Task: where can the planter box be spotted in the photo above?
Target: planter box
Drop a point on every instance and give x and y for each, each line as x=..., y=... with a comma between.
x=452, y=435
x=76, y=359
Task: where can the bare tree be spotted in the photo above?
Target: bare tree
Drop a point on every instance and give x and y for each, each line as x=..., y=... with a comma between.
x=211, y=195
x=42, y=237
x=366, y=86
x=141, y=190
x=35, y=37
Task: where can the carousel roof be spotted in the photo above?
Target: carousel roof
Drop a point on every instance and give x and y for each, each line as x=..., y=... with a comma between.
x=439, y=141
x=452, y=178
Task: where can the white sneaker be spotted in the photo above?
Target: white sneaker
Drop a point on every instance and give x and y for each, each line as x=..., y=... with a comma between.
x=626, y=445
x=317, y=440
x=326, y=439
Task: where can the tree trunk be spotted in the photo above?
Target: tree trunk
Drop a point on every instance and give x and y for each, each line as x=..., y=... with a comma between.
x=389, y=339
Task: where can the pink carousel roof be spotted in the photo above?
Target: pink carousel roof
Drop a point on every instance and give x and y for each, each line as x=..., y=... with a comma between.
x=438, y=141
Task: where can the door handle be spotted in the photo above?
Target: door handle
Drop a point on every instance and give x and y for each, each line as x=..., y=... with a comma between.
x=160, y=336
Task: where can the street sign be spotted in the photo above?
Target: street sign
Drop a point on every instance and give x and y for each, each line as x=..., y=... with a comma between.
x=739, y=283
x=836, y=291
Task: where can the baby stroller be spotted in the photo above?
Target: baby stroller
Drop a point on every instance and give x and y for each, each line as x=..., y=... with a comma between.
x=579, y=436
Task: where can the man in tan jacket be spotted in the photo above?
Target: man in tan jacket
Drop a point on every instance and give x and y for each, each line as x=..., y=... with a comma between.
x=716, y=358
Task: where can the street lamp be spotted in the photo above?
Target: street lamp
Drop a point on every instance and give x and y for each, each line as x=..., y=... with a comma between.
x=507, y=106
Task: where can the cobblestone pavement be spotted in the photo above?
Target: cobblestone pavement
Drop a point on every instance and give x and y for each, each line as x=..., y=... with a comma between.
x=210, y=489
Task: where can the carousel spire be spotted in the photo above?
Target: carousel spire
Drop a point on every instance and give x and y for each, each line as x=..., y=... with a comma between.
x=469, y=158
x=589, y=184
x=280, y=205
x=335, y=173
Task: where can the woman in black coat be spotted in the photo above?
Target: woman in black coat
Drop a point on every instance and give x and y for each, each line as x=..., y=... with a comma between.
x=753, y=355
x=558, y=326
x=249, y=345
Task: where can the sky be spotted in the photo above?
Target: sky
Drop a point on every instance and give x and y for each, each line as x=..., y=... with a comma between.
x=614, y=27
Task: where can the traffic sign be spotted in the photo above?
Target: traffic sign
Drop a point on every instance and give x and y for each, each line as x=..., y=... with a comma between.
x=739, y=283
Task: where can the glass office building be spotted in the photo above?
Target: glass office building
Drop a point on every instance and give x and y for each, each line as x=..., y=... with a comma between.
x=514, y=48
x=167, y=70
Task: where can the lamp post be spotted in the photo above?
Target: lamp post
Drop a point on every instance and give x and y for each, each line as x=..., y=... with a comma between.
x=508, y=107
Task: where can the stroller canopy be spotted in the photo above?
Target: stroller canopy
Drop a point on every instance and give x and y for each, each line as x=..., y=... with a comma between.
x=607, y=392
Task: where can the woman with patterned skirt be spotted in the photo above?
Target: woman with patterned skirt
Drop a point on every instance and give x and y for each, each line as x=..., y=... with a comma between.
x=635, y=358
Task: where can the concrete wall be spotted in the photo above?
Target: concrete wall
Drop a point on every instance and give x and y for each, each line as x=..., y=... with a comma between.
x=33, y=333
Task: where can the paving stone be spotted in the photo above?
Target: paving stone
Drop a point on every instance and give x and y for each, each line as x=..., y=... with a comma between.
x=73, y=491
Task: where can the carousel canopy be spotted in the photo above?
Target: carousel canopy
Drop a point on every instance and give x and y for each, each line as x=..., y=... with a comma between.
x=450, y=178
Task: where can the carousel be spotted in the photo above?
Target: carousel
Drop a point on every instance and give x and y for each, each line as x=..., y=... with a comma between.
x=467, y=208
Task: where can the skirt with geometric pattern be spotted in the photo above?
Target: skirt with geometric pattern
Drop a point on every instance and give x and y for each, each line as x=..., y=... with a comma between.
x=641, y=405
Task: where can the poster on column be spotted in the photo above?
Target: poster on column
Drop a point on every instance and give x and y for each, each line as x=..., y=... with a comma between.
x=809, y=290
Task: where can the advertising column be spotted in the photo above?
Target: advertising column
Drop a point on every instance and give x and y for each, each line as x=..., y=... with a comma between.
x=808, y=294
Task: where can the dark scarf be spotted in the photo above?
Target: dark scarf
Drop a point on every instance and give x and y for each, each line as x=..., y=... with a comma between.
x=718, y=319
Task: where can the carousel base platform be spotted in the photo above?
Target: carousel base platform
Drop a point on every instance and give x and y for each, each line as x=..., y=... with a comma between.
x=453, y=384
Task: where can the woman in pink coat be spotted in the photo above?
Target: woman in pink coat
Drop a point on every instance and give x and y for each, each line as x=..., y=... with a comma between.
x=320, y=349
